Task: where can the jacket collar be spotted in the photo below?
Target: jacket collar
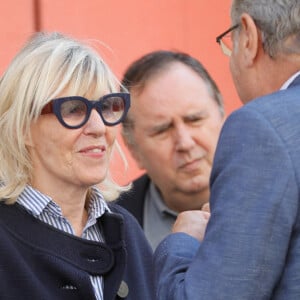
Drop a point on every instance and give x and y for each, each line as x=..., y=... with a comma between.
x=295, y=81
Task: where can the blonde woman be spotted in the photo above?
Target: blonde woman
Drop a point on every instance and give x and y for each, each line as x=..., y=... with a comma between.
x=59, y=104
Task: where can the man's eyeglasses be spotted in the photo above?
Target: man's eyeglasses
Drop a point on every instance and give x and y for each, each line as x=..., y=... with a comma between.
x=74, y=111
x=225, y=41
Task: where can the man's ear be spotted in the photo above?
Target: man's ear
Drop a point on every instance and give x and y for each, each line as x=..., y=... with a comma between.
x=249, y=40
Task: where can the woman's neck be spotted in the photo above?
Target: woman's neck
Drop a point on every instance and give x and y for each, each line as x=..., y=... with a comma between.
x=72, y=202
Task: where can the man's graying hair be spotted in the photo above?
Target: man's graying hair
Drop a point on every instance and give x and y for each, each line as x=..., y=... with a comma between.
x=142, y=70
x=277, y=19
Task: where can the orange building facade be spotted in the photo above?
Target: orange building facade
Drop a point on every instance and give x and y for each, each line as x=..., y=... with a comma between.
x=125, y=30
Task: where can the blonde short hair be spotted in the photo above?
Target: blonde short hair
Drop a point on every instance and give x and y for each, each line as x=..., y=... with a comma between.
x=48, y=64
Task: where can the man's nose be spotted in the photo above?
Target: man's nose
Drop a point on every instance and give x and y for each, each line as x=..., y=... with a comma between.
x=183, y=138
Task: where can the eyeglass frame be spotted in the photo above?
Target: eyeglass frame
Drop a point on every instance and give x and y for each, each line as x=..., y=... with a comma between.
x=54, y=107
x=219, y=37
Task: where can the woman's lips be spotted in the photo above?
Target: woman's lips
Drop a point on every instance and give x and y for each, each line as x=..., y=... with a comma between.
x=94, y=151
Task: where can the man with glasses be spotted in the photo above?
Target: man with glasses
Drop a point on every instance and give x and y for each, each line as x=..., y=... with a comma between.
x=250, y=248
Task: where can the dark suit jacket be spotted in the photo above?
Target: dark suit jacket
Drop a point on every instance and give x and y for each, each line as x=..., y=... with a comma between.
x=134, y=199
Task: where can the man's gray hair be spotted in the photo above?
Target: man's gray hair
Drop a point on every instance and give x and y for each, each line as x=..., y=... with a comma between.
x=278, y=20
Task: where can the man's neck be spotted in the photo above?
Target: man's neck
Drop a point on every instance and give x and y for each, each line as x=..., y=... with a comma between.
x=179, y=201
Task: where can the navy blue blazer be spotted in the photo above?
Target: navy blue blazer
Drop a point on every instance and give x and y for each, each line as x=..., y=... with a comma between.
x=38, y=261
x=251, y=248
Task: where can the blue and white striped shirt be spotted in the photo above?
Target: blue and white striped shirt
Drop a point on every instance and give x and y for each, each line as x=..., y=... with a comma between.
x=45, y=209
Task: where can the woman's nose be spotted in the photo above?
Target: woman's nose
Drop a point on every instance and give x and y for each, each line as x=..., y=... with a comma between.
x=95, y=124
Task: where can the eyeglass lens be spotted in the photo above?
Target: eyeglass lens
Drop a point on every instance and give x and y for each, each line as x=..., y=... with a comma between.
x=225, y=40
x=226, y=45
x=112, y=109
x=74, y=112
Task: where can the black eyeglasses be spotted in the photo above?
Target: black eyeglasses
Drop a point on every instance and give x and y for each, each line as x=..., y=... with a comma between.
x=226, y=45
x=74, y=111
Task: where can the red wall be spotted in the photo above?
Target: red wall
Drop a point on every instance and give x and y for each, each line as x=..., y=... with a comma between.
x=126, y=29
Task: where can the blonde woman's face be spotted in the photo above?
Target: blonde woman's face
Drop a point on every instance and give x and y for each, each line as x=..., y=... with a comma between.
x=63, y=157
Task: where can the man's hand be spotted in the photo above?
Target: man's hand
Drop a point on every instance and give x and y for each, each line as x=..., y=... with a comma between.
x=192, y=222
x=206, y=207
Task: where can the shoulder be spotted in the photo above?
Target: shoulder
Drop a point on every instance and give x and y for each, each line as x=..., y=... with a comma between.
x=139, y=187
x=133, y=200
x=116, y=208
x=128, y=219
x=278, y=104
x=270, y=116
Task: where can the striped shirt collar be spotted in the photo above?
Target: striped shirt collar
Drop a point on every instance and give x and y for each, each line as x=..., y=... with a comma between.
x=36, y=203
